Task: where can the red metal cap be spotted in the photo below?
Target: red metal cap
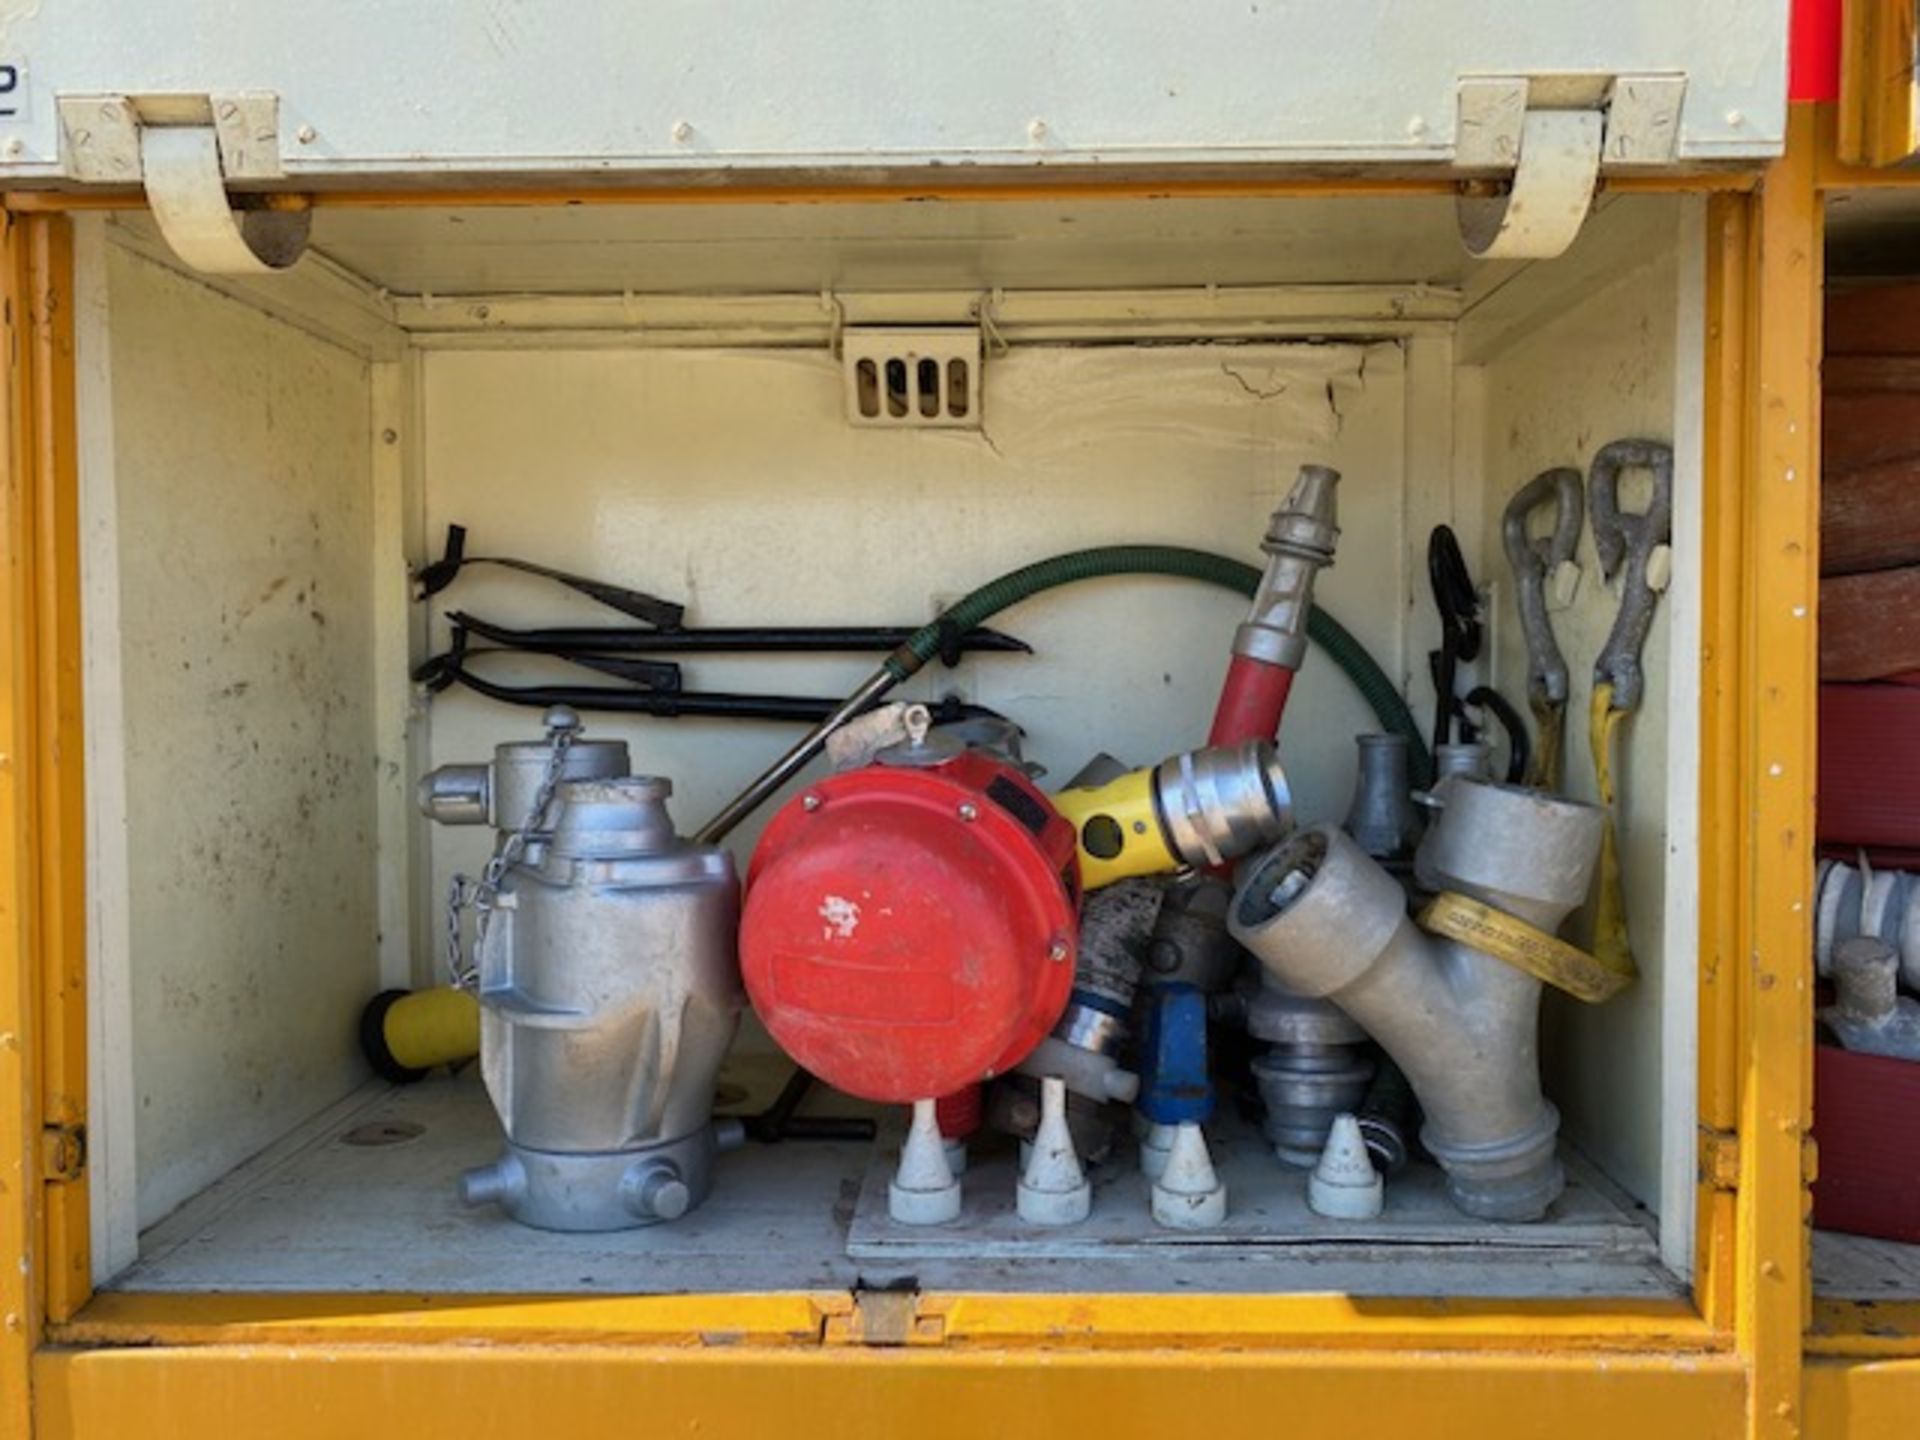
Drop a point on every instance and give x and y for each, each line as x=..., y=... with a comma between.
x=909, y=932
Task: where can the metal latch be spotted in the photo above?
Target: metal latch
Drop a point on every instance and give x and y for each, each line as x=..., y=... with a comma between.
x=63, y=1153
x=891, y=1317
x=184, y=149
x=1553, y=135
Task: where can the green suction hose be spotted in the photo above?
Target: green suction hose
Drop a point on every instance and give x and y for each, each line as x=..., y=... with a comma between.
x=1173, y=560
x=1010, y=589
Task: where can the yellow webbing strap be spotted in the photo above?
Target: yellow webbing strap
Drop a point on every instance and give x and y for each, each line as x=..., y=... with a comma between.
x=1543, y=956
x=1543, y=770
x=1611, y=946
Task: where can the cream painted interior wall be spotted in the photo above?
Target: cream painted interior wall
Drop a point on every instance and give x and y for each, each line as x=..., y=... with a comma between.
x=732, y=481
x=1599, y=369
x=244, y=546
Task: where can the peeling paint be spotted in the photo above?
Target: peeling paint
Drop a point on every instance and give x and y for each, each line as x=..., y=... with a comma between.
x=842, y=917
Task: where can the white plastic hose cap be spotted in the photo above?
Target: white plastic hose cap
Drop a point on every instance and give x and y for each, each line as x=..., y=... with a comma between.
x=1883, y=905
x=1155, y=1145
x=1344, y=1185
x=1188, y=1195
x=1053, y=1188
x=924, y=1190
x=1836, y=912
x=1910, y=941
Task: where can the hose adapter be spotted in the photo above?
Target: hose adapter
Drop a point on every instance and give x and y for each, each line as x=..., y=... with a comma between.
x=1299, y=543
x=1326, y=920
x=1271, y=644
x=1204, y=807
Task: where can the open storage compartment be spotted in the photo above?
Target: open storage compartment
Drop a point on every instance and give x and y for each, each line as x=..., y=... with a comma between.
x=1866, y=1197
x=657, y=394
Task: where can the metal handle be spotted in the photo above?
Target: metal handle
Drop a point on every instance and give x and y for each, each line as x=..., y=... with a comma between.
x=1533, y=561
x=1634, y=539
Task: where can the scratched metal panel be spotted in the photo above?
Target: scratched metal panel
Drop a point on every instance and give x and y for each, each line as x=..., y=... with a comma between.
x=477, y=87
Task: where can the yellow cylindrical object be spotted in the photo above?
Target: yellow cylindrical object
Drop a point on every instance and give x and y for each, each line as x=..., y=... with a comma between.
x=1118, y=829
x=406, y=1033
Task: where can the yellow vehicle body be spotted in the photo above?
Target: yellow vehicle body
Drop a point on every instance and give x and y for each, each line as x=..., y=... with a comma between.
x=1749, y=1352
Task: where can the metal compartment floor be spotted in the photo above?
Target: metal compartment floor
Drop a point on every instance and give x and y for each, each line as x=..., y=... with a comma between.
x=1854, y=1267
x=324, y=1210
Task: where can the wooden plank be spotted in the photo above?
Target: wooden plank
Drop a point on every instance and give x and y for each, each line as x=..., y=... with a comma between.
x=1870, y=624
x=1870, y=518
x=1874, y=320
x=1842, y=373
x=1869, y=429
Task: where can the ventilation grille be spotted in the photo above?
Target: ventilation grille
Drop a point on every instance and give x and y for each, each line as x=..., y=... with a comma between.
x=913, y=379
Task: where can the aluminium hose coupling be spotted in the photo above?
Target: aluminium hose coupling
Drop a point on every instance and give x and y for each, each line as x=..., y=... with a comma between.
x=1201, y=808
x=1324, y=919
x=1299, y=542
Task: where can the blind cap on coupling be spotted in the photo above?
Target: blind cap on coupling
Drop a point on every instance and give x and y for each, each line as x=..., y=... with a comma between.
x=1344, y=1185
x=625, y=815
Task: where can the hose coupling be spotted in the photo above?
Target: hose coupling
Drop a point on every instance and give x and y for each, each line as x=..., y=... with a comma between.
x=1203, y=807
x=1299, y=542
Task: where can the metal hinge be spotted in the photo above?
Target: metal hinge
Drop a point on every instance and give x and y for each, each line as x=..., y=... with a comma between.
x=63, y=1153
x=184, y=149
x=1719, y=1159
x=885, y=1318
x=1553, y=135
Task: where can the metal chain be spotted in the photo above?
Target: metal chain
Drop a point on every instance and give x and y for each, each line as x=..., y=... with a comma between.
x=463, y=893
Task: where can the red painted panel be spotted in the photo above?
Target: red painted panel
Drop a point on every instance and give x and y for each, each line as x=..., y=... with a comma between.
x=1866, y=1125
x=1869, y=782
x=1813, y=50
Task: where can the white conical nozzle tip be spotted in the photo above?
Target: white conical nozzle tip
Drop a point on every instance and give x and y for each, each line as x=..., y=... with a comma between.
x=1344, y=1185
x=924, y=1190
x=1053, y=1188
x=1154, y=1147
x=923, y=1159
x=1188, y=1195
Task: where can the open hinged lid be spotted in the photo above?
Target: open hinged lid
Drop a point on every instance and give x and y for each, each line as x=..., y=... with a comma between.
x=200, y=102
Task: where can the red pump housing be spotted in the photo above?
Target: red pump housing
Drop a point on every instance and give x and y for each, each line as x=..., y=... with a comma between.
x=908, y=930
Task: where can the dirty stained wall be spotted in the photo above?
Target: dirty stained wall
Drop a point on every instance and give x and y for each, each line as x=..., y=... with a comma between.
x=242, y=481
